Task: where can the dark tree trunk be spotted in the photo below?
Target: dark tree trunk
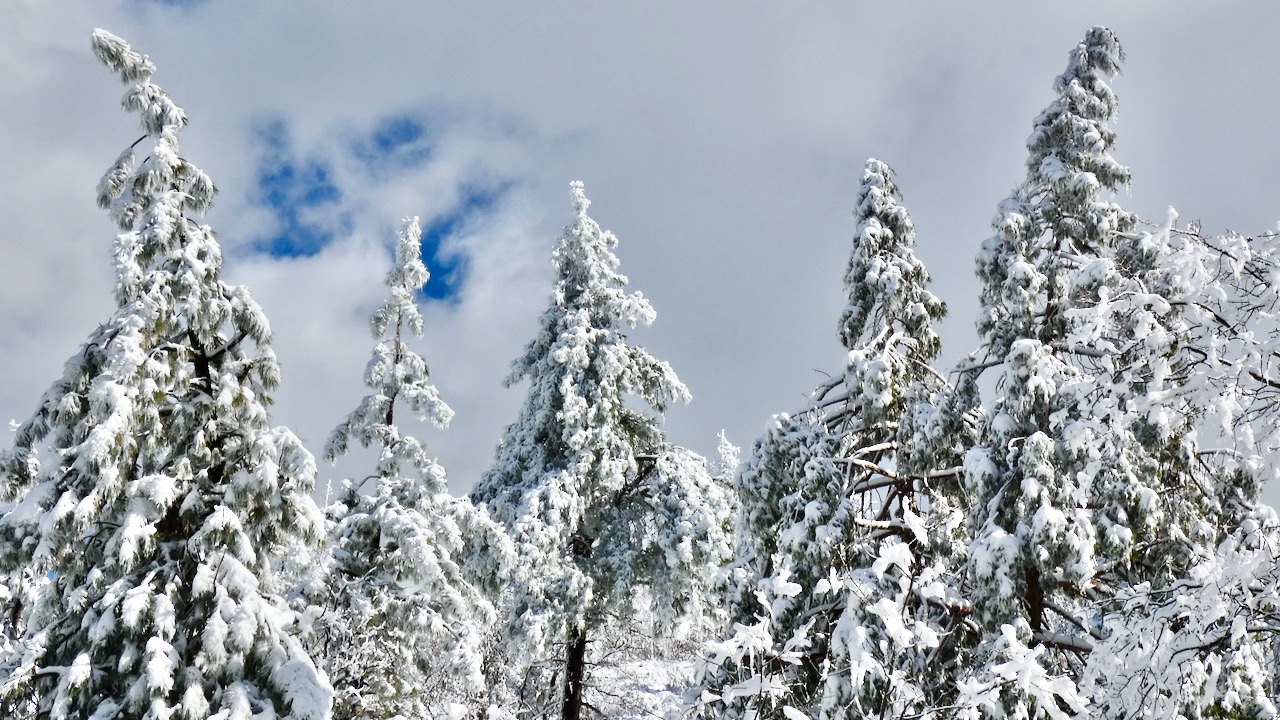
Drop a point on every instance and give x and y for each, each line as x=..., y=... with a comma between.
x=575, y=669
x=1035, y=604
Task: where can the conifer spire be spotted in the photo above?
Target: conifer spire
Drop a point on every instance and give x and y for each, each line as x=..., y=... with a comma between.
x=596, y=500
x=400, y=594
x=841, y=517
x=149, y=486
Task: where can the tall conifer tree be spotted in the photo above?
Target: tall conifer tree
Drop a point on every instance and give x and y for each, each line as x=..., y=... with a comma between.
x=1084, y=478
x=401, y=620
x=851, y=511
x=596, y=501
x=150, y=488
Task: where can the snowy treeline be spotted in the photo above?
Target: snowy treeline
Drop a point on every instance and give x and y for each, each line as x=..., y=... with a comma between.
x=1065, y=524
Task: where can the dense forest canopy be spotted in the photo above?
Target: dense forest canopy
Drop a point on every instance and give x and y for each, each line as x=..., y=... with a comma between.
x=1066, y=522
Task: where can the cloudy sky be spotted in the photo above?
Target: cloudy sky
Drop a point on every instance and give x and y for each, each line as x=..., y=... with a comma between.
x=721, y=142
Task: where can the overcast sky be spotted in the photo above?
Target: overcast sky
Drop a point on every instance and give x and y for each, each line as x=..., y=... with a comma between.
x=721, y=141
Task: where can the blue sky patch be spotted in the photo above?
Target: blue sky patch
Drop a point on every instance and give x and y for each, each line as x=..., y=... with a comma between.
x=302, y=192
x=289, y=186
x=448, y=266
x=396, y=142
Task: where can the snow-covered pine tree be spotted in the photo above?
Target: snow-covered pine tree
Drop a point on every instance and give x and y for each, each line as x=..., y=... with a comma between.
x=1083, y=480
x=597, y=502
x=1222, y=595
x=1033, y=556
x=903, y=629
x=851, y=510
x=399, y=598
x=150, y=489
x=1035, y=547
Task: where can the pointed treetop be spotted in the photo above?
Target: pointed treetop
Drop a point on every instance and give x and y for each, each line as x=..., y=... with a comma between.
x=116, y=54
x=1099, y=51
x=1090, y=66
x=583, y=257
x=396, y=373
x=1071, y=135
x=1062, y=210
x=159, y=114
x=589, y=296
x=127, y=190
x=580, y=201
x=885, y=281
x=404, y=280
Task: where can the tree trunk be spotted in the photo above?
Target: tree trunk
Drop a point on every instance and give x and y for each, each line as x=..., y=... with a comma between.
x=1035, y=603
x=575, y=669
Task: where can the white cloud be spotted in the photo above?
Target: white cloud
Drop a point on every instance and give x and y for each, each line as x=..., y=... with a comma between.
x=721, y=142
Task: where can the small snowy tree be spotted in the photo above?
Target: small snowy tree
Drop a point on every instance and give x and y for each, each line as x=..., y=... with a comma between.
x=399, y=617
x=597, y=502
x=150, y=489
x=851, y=508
